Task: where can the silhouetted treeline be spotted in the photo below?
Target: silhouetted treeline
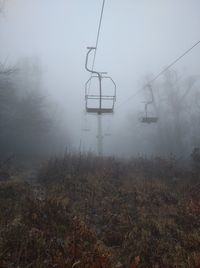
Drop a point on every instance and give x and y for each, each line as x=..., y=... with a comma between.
x=177, y=106
x=26, y=120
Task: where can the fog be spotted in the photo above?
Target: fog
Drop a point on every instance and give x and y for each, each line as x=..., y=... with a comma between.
x=138, y=40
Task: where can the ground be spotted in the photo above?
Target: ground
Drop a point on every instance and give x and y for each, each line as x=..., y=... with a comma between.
x=85, y=211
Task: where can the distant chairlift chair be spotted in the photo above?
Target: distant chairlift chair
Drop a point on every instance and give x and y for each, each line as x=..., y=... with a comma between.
x=149, y=119
x=98, y=103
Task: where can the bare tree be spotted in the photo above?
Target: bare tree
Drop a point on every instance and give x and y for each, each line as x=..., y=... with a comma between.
x=2, y=4
x=175, y=120
x=4, y=68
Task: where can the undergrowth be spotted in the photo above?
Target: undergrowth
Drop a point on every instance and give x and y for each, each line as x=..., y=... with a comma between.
x=95, y=212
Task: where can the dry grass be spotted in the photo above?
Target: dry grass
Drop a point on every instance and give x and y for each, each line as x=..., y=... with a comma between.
x=93, y=212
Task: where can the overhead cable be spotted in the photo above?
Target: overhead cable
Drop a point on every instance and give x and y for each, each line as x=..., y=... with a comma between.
x=162, y=72
x=98, y=34
x=174, y=62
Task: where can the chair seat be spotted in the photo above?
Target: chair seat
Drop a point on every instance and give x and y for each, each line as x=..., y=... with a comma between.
x=100, y=111
x=149, y=120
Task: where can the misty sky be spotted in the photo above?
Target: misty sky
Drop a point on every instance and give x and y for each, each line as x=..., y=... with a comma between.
x=138, y=38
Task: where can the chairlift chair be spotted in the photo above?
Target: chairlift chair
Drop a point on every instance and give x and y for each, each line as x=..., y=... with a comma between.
x=149, y=119
x=98, y=102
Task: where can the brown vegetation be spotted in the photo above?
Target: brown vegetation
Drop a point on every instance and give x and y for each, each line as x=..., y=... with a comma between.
x=95, y=213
